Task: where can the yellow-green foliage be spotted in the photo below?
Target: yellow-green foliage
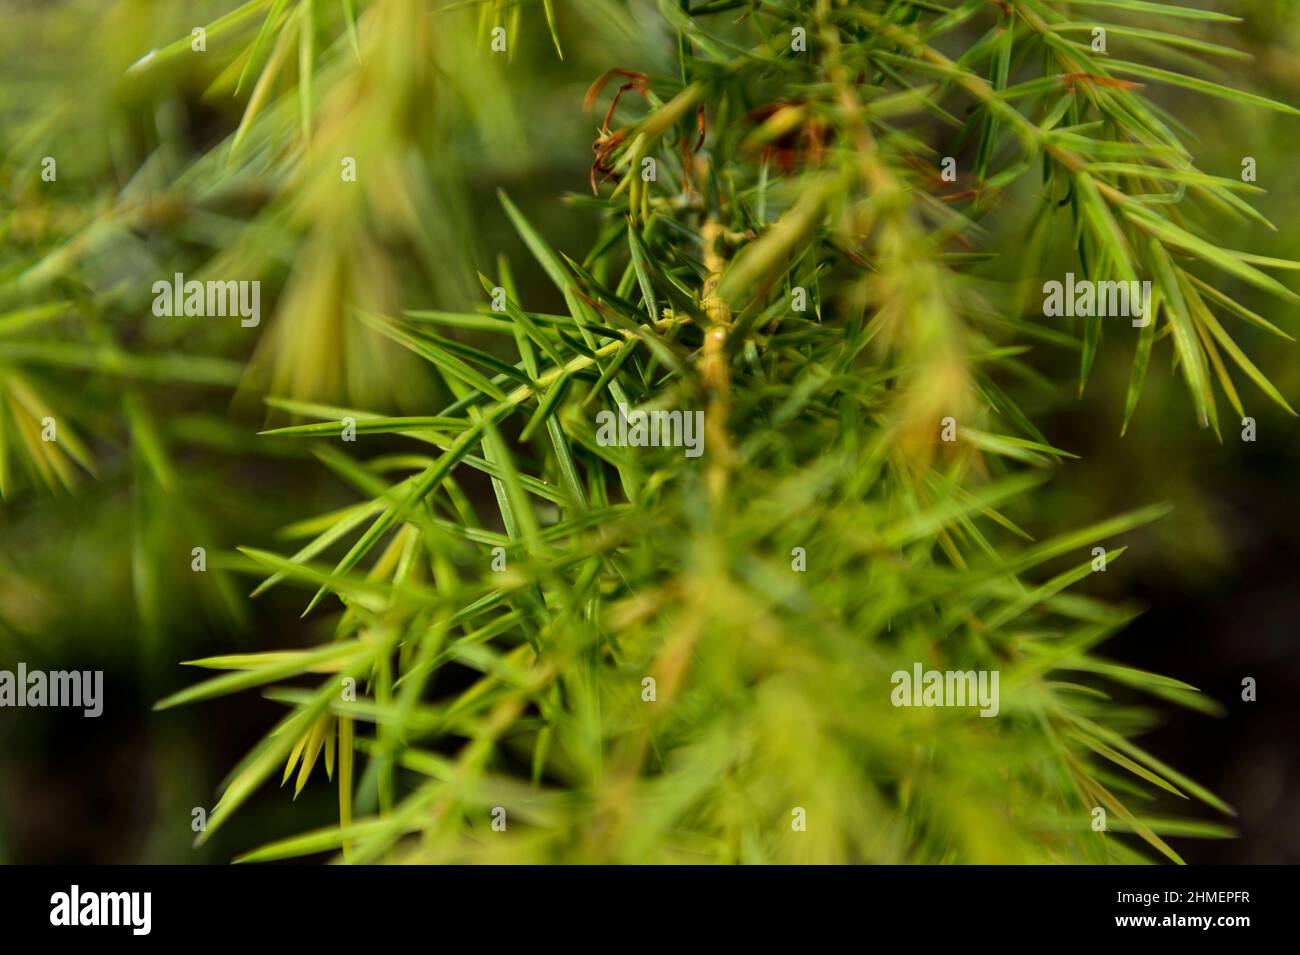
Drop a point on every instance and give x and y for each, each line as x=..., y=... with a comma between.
x=490, y=605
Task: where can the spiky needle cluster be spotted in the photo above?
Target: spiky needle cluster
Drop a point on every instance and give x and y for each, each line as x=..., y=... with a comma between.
x=613, y=645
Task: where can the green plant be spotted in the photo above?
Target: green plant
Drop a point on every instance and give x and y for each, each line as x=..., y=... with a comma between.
x=508, y=582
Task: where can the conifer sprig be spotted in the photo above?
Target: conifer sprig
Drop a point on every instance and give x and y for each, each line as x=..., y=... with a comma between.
x=507, y=582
